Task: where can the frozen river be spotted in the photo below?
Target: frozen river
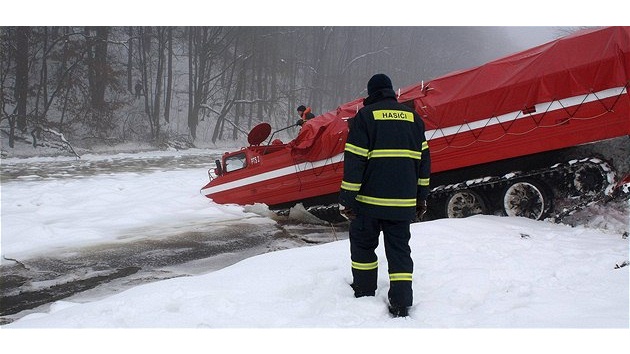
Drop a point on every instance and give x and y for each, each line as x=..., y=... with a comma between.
x=92, y=165
x=86, y=228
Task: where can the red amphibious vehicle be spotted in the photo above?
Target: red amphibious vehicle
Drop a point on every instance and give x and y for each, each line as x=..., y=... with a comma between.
x=535, y=134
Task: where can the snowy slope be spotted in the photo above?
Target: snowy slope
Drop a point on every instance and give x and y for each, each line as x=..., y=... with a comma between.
x=483, y=272
x=480, y=272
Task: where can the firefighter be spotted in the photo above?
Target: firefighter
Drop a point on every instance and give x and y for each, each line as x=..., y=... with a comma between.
x=385, y=187
x=305, y=114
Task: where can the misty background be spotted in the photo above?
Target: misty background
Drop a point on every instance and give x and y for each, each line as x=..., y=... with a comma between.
x=67, y=86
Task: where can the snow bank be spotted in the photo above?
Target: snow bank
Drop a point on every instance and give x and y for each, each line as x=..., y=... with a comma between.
x=479, y=272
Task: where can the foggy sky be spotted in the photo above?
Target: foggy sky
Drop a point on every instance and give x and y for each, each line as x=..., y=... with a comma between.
x=525, y=37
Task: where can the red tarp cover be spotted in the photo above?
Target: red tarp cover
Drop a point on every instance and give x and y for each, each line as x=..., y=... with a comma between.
x=600, y=58
x=320, y=138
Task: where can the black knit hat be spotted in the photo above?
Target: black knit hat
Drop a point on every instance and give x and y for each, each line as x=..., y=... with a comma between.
x=378, y=82
x=301, y=109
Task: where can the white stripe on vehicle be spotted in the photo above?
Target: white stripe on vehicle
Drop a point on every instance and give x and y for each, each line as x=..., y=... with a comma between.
x=281, y=172
x=513, y=116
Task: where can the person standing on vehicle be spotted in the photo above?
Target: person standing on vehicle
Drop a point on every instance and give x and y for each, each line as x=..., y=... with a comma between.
x=305, y=114
x=385, y=187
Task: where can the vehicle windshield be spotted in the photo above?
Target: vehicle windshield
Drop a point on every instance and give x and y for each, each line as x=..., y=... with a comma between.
x=235, y=162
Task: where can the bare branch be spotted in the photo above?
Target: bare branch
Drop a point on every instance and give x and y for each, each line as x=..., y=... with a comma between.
x=365, y=55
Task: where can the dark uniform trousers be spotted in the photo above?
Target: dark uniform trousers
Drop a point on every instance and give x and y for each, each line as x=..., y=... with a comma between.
x=364, y=234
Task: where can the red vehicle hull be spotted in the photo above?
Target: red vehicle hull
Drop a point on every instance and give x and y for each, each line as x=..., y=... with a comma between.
x=562, y=94
x=281, y=181
x=308, y=168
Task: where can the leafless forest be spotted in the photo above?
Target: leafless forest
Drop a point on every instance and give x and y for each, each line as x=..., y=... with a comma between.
x=107, y=85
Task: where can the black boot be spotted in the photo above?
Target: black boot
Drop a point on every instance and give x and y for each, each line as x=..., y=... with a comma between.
x=358, y=292
x=399, y=311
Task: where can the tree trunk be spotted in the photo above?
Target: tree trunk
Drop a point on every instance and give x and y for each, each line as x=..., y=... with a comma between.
x=130, y=59
x=144, y=66
x=199, y=68
x=291, y=77
x=158, y=82
x=192, y=118
x=42, y=90
x=21, y=75
x=169, y=80
x=97, y=62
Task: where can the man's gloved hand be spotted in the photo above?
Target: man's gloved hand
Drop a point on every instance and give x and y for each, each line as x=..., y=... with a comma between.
x=299, y=122
x=347, y=212
x=421, y=209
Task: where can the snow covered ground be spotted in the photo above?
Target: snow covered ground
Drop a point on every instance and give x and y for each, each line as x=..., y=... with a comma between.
x=483, y=272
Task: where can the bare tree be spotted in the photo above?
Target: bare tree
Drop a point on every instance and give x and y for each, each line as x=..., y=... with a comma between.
x=161, y=49
x=130, y=59
x=169, y=75
x=97, y=65
x=21, y=76
x=206, y=46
